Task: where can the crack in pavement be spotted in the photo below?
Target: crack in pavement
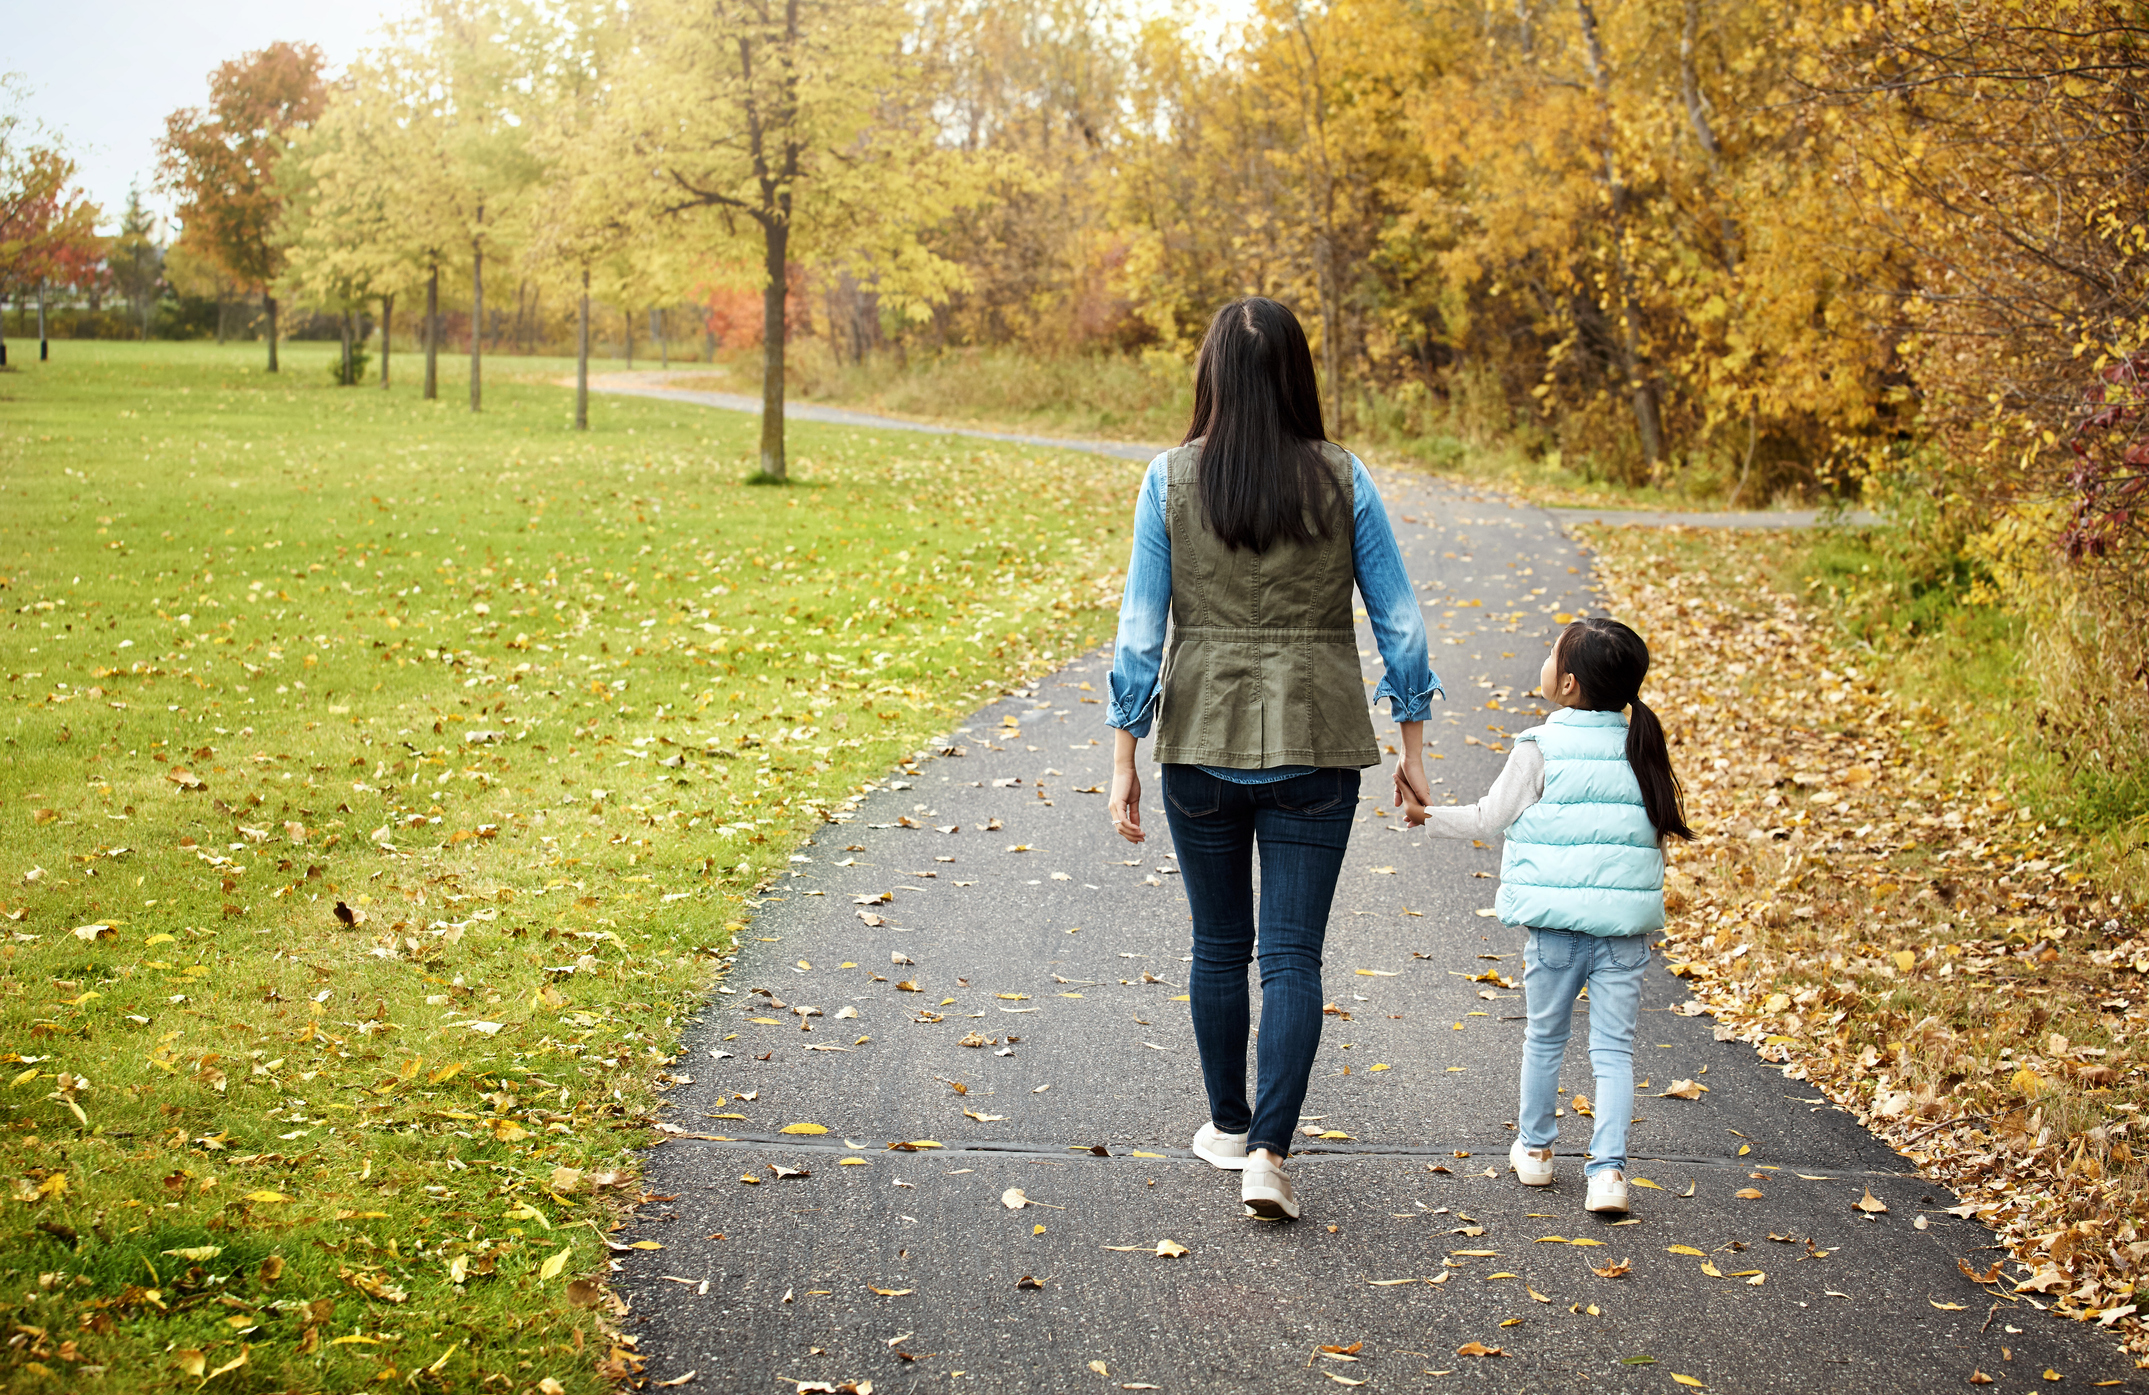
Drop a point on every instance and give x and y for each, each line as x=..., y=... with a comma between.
x=1086, y=1153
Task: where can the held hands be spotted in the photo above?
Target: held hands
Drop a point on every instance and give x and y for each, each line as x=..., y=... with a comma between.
x=1412, y=792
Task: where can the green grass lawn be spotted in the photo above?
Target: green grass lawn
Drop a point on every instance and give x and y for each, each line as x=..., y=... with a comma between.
x=383, y=784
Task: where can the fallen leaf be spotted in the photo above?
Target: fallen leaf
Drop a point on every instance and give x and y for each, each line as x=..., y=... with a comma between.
x=1014, y=1199
x=550, y=1269
x=232, y=1365
x=1688, y=1380
x=1615, y=1270
x=1686, y=1250
x=803, y=1128
x=1170, y=1249
x=1870, y=1204
x=891, y=1292
x=1028, y=1282
x=1685, y=1090
x=1478, y=1349
x=1748, y=1193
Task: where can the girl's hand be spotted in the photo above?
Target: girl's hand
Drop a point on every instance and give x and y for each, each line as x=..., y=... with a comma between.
x=1125, y=802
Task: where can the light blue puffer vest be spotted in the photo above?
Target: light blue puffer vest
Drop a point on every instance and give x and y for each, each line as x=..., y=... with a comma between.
x=1585, y=857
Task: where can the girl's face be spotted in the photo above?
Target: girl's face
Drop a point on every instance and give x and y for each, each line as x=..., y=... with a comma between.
x=1559, y=689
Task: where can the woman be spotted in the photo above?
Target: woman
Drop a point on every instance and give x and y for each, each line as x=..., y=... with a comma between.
x=1249, y=536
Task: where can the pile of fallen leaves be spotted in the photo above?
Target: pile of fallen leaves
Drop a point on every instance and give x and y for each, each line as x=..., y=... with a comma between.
x=1870, y=912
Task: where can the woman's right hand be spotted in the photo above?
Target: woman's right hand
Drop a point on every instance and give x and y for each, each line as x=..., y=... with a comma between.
x=1125, y=802
x=1413, y=794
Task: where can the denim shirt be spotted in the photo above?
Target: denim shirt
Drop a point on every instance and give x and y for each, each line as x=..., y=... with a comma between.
x=1391, y=605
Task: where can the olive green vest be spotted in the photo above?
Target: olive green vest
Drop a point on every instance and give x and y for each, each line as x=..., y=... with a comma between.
x=1262, y=667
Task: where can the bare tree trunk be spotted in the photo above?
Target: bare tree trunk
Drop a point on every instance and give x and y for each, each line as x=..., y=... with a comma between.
x=432, y=334
x=387, y=320
x=477, y=316
x=268, y=303
x=776, y=247
x=343, y=369
x=656, y=332
x=221, y=300
x=626, y=327
x=1746, y=468
x=1523, y=20
x=582, y=358
x=1648, y=419
x=43, y=351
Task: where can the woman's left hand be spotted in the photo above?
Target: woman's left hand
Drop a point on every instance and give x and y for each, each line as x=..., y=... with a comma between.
x=1125, y=802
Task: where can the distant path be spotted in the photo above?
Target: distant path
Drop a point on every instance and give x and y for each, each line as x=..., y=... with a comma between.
x=643, y=384
x=646, y=383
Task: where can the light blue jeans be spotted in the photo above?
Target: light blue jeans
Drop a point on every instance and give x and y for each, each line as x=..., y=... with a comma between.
x=1556, y=966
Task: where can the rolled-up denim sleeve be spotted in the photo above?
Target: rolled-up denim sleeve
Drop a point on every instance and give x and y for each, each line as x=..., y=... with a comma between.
x=1398, y=629
x=1138, y=650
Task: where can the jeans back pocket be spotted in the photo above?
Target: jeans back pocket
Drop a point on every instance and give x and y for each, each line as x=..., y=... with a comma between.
x=1193, y=791
x=1552, y=949
x=1317, y=791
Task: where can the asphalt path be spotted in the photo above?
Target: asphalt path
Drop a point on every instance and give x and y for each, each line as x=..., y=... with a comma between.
x=1046, y=1049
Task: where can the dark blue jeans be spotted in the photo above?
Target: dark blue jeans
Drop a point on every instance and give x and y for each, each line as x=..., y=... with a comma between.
x=1302, y=826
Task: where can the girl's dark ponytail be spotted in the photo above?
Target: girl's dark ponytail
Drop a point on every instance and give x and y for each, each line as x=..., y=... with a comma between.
x=1651, y=760
x=1608, y=661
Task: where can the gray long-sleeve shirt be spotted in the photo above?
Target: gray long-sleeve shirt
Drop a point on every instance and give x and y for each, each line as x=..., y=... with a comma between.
x=1521, y=784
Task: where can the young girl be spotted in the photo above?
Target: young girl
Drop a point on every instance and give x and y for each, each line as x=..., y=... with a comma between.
x=1586, y=802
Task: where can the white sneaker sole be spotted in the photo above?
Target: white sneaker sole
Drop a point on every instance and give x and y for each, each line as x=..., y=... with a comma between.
x=1269, y=1203
x=1225, y=1161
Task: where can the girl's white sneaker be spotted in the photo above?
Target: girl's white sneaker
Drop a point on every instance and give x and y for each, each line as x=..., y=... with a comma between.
x=1608, y=1192
x=1220, y=1149
x=1533, y=1166
x=1266, y=1192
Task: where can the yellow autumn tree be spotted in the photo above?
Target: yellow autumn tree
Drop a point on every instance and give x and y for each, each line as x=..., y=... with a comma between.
x=785, y=131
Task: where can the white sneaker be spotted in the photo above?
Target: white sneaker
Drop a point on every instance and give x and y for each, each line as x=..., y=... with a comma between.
x=1608, y=1192
x=1220, y=1149
x=1266, y=1192
x=1533, y=1166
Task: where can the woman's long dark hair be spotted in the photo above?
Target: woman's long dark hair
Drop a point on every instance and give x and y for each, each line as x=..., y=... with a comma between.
x=1257, y=413
x=1608, y=661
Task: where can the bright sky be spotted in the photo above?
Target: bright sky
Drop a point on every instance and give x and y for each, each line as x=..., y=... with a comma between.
x=104, y=76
